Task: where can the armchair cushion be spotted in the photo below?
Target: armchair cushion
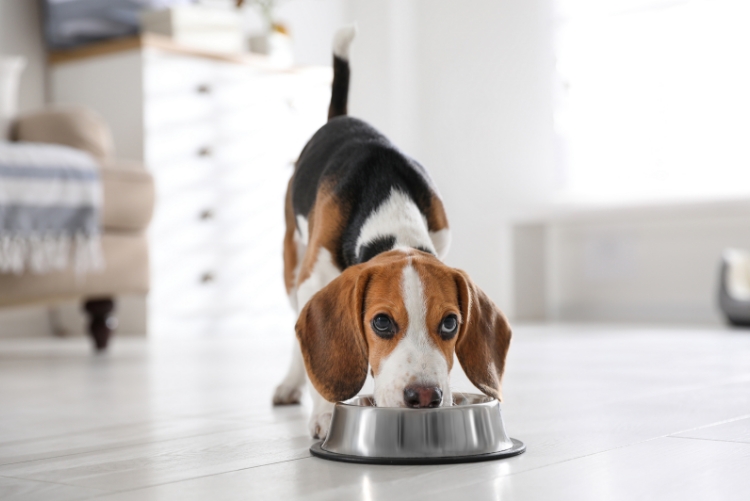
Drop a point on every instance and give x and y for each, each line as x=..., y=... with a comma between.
x=126, y=272
x=74, y=126
x=128, y=196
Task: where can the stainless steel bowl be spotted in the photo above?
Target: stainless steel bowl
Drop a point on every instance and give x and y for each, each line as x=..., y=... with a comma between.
x=470, y=430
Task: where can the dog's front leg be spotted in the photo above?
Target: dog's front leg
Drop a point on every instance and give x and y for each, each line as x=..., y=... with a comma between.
x=289, y=391
x=320, y=420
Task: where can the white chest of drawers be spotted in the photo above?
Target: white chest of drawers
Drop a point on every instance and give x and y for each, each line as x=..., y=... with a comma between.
x=220, y=138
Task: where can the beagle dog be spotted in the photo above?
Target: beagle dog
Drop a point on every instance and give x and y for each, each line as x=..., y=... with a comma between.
x=365, y=235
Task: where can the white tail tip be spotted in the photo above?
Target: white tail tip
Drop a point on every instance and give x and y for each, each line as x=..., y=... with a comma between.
x=342, y=40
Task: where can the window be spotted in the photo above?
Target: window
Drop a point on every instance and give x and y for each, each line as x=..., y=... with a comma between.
x=654, y=99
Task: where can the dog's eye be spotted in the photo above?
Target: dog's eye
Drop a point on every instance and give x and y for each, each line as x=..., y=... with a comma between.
x=383, y=326
x=448, y=327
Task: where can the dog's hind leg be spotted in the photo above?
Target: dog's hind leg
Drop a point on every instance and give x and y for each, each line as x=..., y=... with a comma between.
x=290, y=390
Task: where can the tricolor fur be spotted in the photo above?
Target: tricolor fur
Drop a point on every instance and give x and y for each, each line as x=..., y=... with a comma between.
x=366, y=230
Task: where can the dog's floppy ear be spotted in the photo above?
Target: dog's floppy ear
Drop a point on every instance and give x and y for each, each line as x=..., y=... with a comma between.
x=484, y=338
x=332, y=337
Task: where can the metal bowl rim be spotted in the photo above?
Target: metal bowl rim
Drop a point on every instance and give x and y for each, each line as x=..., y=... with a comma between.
x=488, y=402
x=517, y=448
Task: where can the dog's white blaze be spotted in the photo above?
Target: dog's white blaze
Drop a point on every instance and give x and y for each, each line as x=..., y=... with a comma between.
x=416, y=359
x=400, y=217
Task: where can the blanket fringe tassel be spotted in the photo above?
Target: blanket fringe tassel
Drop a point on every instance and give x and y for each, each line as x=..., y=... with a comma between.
x=46, y=253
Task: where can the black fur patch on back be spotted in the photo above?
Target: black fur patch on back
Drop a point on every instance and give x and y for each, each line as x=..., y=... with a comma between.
x=428, y=251
x=375, y=247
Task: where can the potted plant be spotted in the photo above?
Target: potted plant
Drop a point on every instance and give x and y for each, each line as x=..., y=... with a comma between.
x=274, y=41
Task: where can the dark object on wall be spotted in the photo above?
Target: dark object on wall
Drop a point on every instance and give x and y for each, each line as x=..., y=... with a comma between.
x=70, y=23
x=734, y=287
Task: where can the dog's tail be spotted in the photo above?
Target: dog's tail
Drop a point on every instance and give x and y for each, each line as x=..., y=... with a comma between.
x=340, y=91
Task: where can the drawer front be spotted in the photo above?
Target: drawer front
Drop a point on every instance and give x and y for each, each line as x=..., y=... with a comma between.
x=186, y=141
x=167, y=74
x=165, y=112
x=243, y=93
x=187, y=208
x=187, y=225
x=267, y=121
x=175, y=177
x=169, y=247
x=186, y=284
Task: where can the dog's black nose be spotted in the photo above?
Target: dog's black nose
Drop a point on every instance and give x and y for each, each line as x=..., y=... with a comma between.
x=422, y=396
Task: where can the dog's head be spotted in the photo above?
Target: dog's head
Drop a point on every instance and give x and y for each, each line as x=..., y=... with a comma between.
x=404, y=314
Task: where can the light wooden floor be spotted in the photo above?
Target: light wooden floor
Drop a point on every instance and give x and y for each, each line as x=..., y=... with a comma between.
x=608, y=413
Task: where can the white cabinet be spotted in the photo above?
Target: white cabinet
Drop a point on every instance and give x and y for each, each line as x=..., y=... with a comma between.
x=220, y=138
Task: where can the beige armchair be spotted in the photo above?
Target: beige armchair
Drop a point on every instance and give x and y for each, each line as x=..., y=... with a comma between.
x=127, y=209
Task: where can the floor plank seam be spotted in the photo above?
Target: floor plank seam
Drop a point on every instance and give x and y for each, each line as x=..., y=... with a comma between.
x=146, y=442
x=102, y=491
x=710, y=440
x=716, y=423
x=66, y=435
x=672, y=391
x=632, y=444
x=583, y=456
x=201, y=476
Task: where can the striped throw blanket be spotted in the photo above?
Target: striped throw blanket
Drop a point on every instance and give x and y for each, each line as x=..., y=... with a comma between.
x=50, y=201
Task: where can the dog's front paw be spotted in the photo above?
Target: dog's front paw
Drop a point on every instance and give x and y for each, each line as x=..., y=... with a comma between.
x=319, y=424
x=287, y=395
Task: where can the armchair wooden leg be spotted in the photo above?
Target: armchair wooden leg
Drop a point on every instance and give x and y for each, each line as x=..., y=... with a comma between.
x=101, y=321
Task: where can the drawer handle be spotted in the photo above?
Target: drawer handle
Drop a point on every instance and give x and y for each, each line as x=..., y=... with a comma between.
x=204, y=89
x=206, y=215
x=206, y=151
x=207, y=277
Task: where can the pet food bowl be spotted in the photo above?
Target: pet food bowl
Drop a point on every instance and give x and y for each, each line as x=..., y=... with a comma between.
x=470, y=430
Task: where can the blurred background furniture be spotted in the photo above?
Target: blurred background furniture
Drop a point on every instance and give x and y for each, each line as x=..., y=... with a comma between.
x=10, y=73
x=127, y=208
x=734, y=287
x=220, y=134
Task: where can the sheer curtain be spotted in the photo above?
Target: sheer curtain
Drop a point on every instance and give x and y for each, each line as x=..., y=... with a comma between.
x=654, y=99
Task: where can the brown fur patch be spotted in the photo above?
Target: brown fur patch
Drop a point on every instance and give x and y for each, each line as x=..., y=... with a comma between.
x=436, y=219
x=290, y=247
x=325, y=223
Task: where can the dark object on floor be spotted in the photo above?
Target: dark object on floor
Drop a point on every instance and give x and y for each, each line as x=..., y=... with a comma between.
x=101, y=321
x=734, y=287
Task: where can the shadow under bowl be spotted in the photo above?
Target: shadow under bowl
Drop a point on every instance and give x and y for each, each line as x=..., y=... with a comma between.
x=470, y=430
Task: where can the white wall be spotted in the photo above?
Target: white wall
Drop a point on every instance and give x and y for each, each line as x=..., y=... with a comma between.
x=467, y=90
x=20, y=34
